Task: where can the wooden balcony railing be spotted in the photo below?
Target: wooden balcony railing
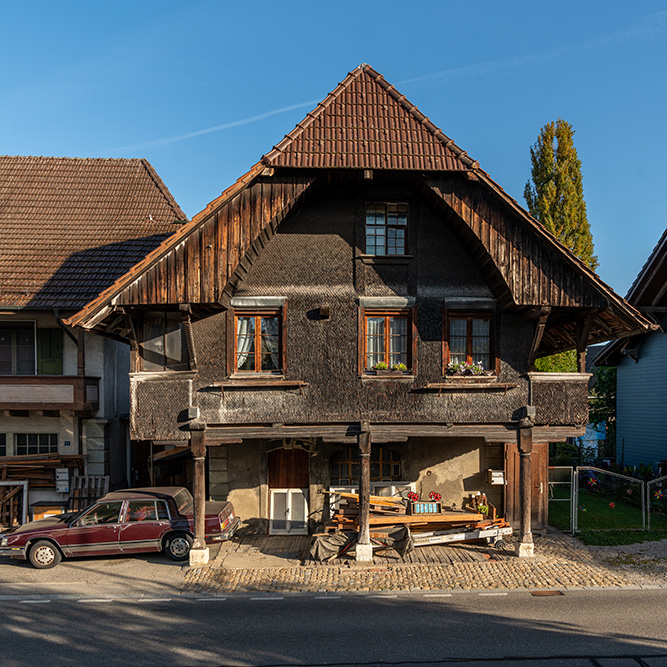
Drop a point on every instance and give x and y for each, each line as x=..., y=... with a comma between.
x=49, y=392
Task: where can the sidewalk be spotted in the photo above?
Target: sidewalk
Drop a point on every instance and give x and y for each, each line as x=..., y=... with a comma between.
x=252, y=565
x=561, y=562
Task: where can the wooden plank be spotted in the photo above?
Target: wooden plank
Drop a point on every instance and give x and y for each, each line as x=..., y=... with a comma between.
x=424, y=519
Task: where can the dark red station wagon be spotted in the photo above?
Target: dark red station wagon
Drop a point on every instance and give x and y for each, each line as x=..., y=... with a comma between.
x=122, y=522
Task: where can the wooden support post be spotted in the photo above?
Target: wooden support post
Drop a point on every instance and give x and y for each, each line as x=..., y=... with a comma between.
x=199, y=553
x=583, y=331
x=525, y=548
x=364, y=549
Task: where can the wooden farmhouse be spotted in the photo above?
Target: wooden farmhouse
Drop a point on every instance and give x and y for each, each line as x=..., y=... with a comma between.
x=69, y=227
x=298, y=334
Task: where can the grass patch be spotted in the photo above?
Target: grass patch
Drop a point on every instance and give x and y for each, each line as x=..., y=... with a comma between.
x=621, y=523
x=612, y=538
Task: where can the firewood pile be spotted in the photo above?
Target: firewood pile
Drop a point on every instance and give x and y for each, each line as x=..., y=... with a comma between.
x=38, y=470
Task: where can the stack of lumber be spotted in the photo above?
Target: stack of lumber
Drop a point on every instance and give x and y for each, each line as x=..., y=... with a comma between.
x=385, y=512
x=38, y=470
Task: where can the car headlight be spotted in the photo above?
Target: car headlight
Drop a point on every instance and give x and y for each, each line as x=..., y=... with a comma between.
x=3, y=542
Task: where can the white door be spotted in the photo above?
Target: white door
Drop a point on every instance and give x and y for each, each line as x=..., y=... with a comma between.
x=289, y=512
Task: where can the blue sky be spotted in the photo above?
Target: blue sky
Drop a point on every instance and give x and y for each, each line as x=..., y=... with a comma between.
x=204, y=89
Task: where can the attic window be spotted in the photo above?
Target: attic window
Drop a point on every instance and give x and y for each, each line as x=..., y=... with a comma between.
x=386, y=228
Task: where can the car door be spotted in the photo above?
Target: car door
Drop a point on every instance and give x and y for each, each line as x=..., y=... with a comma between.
x=96, y=531
x=143, y=525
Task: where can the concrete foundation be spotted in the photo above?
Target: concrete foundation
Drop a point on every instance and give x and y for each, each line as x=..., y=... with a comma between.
x=364, y=552
x=199, y=557
x=525, y=550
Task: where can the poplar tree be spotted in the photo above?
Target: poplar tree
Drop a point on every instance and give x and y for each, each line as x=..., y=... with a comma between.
x=556, y=198
x=556, y=195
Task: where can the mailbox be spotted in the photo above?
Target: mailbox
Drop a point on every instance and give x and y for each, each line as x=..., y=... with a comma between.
x=496, y=477
x=62, y=480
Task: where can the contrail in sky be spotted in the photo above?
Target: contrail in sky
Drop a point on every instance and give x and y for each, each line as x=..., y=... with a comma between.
x=652, y=25
x=154, y=143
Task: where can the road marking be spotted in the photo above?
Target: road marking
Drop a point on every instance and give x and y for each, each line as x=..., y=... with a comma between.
x=95, y=600
x=209, y=599
x=437, y=595
x=327, y=597
x=34, y=601
x=489, y=594
x=148, y=599
x=276, y=598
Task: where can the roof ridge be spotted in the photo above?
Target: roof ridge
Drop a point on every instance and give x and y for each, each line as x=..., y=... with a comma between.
x=73, y=159
x=394, y=93
x=164, y=190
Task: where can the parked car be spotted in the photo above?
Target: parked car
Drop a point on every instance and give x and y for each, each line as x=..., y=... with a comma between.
x=122, y=522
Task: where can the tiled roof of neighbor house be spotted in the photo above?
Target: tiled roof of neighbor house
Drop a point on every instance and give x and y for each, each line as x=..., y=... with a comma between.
x=365, y=123
x=69, y=227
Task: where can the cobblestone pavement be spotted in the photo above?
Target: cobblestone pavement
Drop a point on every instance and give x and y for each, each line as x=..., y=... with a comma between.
x=561, y=562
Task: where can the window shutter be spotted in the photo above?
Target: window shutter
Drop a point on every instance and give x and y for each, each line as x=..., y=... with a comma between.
x=49, y=352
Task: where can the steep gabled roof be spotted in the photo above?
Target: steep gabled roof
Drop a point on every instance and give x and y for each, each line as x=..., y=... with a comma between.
x=69, y=227
x=365, y=123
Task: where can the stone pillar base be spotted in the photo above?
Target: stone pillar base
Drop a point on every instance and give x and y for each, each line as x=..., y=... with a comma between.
x=199, y=557
x=364, y=552
x=525, y=550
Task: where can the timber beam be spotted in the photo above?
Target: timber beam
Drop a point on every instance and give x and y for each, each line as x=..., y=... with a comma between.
x=384, y=433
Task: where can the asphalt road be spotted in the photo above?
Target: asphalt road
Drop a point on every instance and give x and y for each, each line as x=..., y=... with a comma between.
x=579, y=628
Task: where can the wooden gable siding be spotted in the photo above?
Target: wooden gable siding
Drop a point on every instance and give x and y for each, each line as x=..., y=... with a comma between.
x=522, y=270
x=212, y=257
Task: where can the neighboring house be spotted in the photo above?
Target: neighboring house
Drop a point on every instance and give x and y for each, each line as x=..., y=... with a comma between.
x=69, y=228
x=641, y=384
x=366, y=235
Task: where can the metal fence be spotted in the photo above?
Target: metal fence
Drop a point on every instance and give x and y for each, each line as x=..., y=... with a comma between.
x=561, y=485
x=601, y=471
x=656, y=481
x=565, y=486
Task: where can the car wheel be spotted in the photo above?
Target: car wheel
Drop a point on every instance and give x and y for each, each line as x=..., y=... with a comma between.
x=178, y=546
x=44, y=555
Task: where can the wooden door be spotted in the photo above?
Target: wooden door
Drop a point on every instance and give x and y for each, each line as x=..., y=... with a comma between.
x=539, y=499
x=288, y=469
x=289, y=478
